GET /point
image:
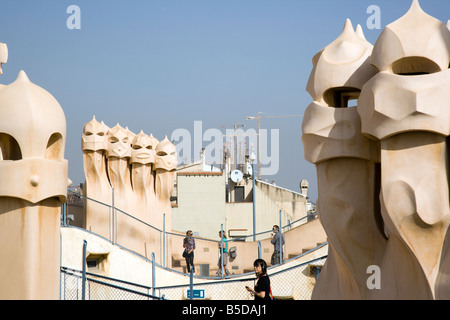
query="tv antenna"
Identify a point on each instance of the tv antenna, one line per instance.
(259, 117)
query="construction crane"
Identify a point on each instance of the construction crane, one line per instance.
(259, 117)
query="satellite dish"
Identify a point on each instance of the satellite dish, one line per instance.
(236, 176)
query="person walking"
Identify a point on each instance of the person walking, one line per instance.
(262, 290)
(223, 254)
(188, 253)
(277, 240)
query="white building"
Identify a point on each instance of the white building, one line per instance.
(207, 199)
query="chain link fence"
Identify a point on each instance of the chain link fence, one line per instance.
(292, 283)
(100, 288)
(165, 248)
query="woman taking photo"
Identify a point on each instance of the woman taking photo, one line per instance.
(262, 289)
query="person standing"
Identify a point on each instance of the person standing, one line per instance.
(277, 240)
(223, 254)
(188, 253)
(262, 290)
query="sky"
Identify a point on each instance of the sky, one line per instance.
(161, 65)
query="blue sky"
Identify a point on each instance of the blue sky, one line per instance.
(160, 65)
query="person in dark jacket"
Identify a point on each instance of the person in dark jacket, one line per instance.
(277, 240)
(262, 290)
(189, 247)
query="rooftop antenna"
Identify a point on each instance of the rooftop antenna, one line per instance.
(235, 126)
(259, 117)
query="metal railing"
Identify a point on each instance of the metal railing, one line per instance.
(161, 254)
(77, 285)
(294, 283)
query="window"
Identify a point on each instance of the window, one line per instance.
(9, 148)
(96, 262)
(55, 147)
(314, 270)
(239, 194)
(410, 66)
(341, 97)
